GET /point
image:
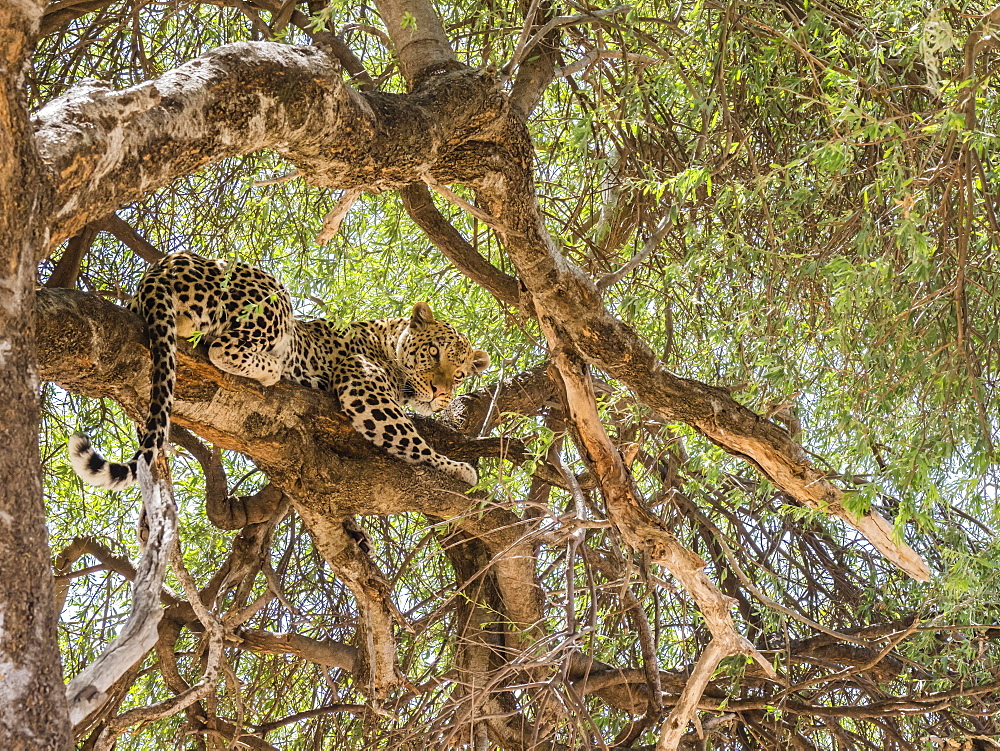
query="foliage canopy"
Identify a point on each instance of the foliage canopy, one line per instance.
(815, 184)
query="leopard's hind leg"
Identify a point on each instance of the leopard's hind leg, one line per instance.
(255, 359)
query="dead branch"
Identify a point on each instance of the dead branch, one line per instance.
(643, 532)
(321, 651)
(88, 691)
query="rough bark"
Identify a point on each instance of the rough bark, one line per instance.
(33, 713)
(88, 691)
(242, 98)
(572, 313)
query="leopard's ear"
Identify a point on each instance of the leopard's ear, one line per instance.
(480, 360)
(421, 314)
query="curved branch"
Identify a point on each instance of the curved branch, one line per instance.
(109, 148)
(417, 201)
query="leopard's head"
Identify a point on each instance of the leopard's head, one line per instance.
(436, 359)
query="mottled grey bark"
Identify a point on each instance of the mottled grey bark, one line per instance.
(110, 148)
(33, 713)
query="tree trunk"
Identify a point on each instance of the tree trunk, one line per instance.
(33, 711)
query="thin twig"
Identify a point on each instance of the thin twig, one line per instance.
(274, 180)
(331, 222)
(635, 261)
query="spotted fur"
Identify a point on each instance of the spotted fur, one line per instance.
(245, 317)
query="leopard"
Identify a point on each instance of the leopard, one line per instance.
(244, 316)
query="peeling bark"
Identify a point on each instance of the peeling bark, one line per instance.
(242, 98)
(572, 313)
(455, 126)
(33, 711)
(109, 148)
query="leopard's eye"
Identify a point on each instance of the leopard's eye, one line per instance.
(432, 350)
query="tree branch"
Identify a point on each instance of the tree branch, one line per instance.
(643, 532)
(321, 651)
(32, 693)
(126, 234)
(570, 308)
(417, 34)
(67, 270)
(109, 148)
(419, 205)
(88, 691)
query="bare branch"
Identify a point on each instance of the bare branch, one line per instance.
(87, 692)
(213, 634)
(331, 222)
(571, 308)
(637, 526)
(321, 651)
(125, 233)
(375, 660)
(66, 272)
(418, 203)
(110, 148)
(683, 712)
(639, 258)
(591, 17)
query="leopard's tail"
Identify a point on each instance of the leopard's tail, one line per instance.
(158, 309)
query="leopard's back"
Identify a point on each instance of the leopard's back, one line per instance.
(243, 314)
(379, 367)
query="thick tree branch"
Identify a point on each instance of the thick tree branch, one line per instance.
(417, 34)
(110, 148)
(299, 438)
(321, 651)
(67, 270)
(33, 710)
(126, 233)
(525, 393)
(536, 72)
(375, 659)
